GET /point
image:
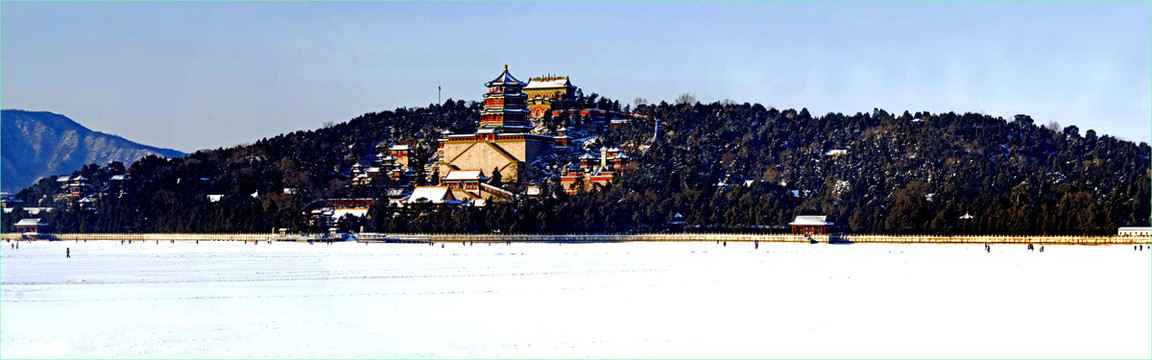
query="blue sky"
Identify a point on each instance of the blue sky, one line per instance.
(209, 74)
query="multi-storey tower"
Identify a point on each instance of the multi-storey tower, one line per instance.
(504, 105)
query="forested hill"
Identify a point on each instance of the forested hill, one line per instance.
(723, 167)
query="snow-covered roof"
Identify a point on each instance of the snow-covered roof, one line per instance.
(36, 209)
(215, 197)
(30, 222)
(464, 175)
(496, 190)
(357, 212)
(562, 129)
(434, 194)
(505, 79)
(561, 82)
(393, 192)
(446, 132)
(63, 179)
(80, 178)
(810, 220)
(399, 148)
(587, 156)
(118, 178)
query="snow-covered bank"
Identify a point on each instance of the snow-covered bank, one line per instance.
(660, 237)
(690, 299)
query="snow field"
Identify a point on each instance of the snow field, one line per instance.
(620, 300)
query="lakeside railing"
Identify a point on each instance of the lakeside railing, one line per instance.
(655, 237)
(834, 238)
(145, 237)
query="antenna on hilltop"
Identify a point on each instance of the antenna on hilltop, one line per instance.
(438, 95)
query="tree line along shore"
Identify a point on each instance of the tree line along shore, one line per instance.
(723, 166)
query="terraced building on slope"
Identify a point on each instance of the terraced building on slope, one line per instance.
(504, 142)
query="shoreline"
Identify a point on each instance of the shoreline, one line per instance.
(598, 238)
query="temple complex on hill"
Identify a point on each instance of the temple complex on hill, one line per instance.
(504, 143)
(594, 172)
(470, 168)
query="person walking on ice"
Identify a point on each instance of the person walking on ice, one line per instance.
(67, 252)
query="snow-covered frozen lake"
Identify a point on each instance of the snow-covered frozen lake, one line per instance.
(622, 300)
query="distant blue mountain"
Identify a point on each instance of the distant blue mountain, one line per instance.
(36, 144)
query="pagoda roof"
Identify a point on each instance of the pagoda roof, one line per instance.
(505, 95)
(505, 111)
(505, 79)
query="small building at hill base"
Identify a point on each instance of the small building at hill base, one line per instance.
(31, 225)
(435, 195)
(810, 224)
